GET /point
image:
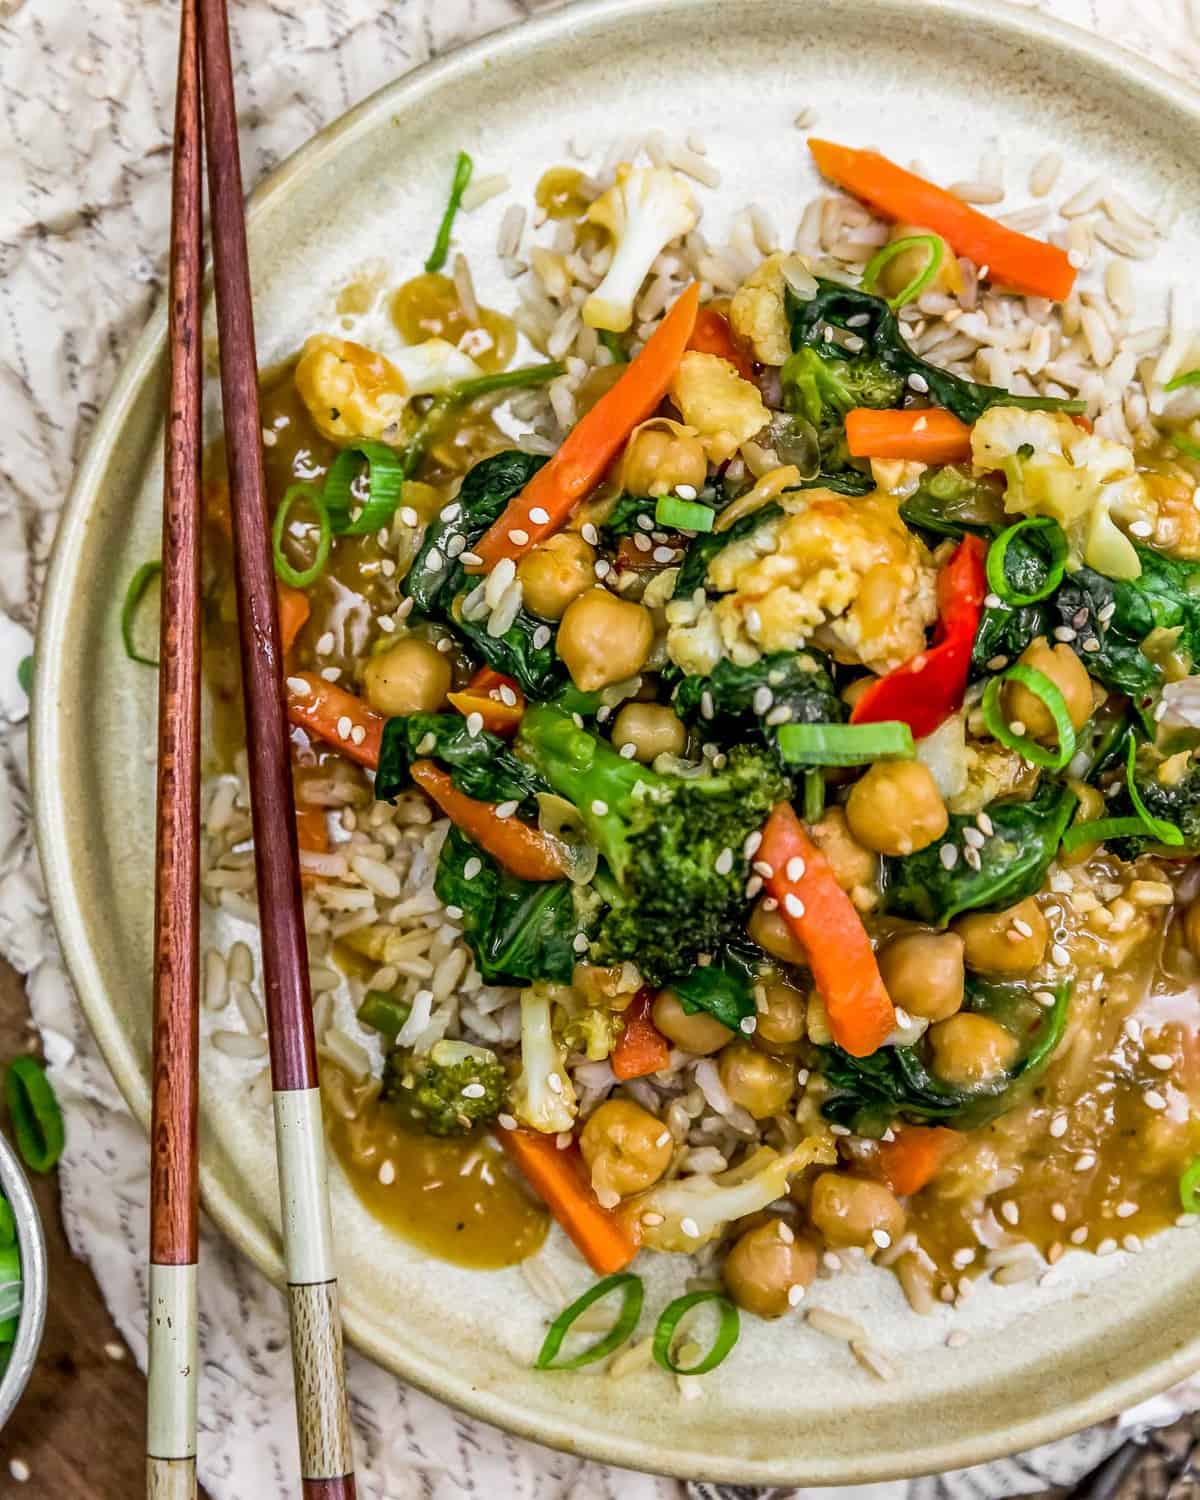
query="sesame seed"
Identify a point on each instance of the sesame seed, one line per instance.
(1085, 1161)
(1106, 1247)
(1154, 1100)
(506, 1122)
(115, 1351)
(518, 536)
(686, 491)
(793, 905)
(651, 1219)
(473, 1091)
(601, 568)
(589, 533)
(433, 559)
(646, 522)
(358, 734)
(325, 644)
(780, 714)
(972, 858)
(19, 1470)
(762, 700)
(472, 867)
(961, 1259)
(1015, 726)
(973, 838)
(997, 663)
(426, 744)
(1063, 633)
(839, 1130)
(1058, 1126)
(948, 855)
(541, 637)
(1044, 998)
(409, 516)
(831, 1261)
(1126, 1210)
(690, 1228)
(1059, 956)
(642, 543)
(506, 809)
(663, 1140)
(1132, 1242)
(993, 601)
(580, 942)
(761, 867)
(628, 751)
(563, 1139)
(455, 545)
(753, 886)
(795, 868)
(468, 559)
(454, 912)
(539, 516)
(752, 844)
(1010, 1213)
(445, 645)
(918, 383)
(986, 826)
(1163, 1061)
(599, 807)
(882, 1238)
(1091, 644)
(1058, 1212)
(474, 724)
(748, 1024)
(795, 1295)
(769, 903)
(664, 554)
(1079, 1236)
(555, 1083)
(344, 727)
(405, 607)
(331, 674)
(299, 687)
(724, 862)
(1141, 528)
(387, 1173)
(386, 624)
(1106, 611)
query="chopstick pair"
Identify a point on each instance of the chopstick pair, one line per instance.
(326, 1457)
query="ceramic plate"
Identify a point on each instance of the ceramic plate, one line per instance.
(942, 82)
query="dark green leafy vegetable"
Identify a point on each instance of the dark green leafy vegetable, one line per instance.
(724, 988)
(863, 317)
(1012, 862)
(36, 1118)
(951, 501)
(1168, 813)
(517, 929)
(895, 1083)
(733, 702)
(1004, 632)
(453, 1091)
(480, 765)
(627, 516)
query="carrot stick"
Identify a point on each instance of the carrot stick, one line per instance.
(930, 437)
(294, 610)
(1012, 260)
(482, 696)
(916, 1156)
(712, 335)
(643, 1048)
(578, 466)
(560, 1179)
(823, 919)
(324, 710)
(312, 830)
(524, 851)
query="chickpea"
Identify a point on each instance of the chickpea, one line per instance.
(555, 573)
(896, 808)
(1005, 942)
(604, 639)
(762, 1085)
(765, 1264)
(411, 677)
(905, 267)
(651, 728)
(782, 1017)
(923, 973)
(626, 1148)
(854, 868)
(1067, 673)
(851, 1210)
(661, 455)
(696, 1032)
(770, 931)
(971, 1050)
(1191, 927)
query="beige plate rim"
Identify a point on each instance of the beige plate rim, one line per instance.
(55, 837)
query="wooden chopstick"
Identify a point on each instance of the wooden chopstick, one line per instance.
(326, 1458)
(171, 1405)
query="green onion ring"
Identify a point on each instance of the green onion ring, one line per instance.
(871, 271)
(684, 515)
(1099, 830)
(385, 481)
(36, 1118)
(1188, 377)
(632, 1295)
(1186, 445)
(814, 796)
(8, 1224)
(845, 744)
(138, 585)
(727, 1332)
(283, 568)
(994, 567)
(612, 342)
(25, 674)
(463, 167)
(1164, 832)
(1041, 687)
(1189, 1182)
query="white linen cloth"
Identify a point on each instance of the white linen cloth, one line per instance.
(86, 96)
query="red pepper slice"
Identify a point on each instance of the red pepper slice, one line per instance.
(643, 1048)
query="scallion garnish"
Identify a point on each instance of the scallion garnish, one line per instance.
(1056, 565)
(814, 796)
(36, 1118)
(1099, 830)
(1189, 1187)
(632, 1295)
(134, 594)
(507, 380)
(1186, 446)
(612, 342)
(384, 1013)
(25, 674)
(1188, 377)
(1041, 687)
(463, 167)
(384, 480)
(684, 515)
(1159, 828)
(726, 1336)
(845, 744)
(871, 271)
(301, 578)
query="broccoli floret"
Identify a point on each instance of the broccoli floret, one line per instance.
(823, 389)
(453, 1091)
(672, 843)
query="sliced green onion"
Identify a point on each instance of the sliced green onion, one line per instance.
(727, 1332)
(1159, 828)
(36, 1118)
(1041, 687)
(25, 674)
(632, 1295)
(1188, 377)
(1186, 446)
(997, 577)
(8, 1224)
(845, 744)
(881, 258)
(519, 379)
(385, 481)
(384, 1013)
(684, 515)
(463, 167)
(1099, 830)
(300, 579)
(134, 594)
(612, 342)
(814, 796)
(1189, 1183)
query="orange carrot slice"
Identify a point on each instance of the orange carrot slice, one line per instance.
(294, 610)
(916, 1156)
(643, 1048)
(523, 850)
(483, 696)
(713, 335)
(336, 716)
(929, 437)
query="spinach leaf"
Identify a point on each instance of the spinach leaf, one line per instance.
(823, 388)
(951, 501)
(872, 321)
(1004, 632)
(1012, 862)
(1178, 803)
(626, 515)
(799, 681)
(480, 765)
(517, 929)
(525, 652)
(894, 1082)
(724, 988)
(851, 482)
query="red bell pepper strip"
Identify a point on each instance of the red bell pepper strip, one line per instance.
(643, 1048)
(928, 689)
(713, 335)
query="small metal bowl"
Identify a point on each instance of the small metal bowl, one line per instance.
(32, 1244)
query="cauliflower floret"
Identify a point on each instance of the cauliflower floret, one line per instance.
(846, 575)
(758, 315)
(543, 1096)
(644, 210)
(688, 1212)
(1084, 481)
(714, 399)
